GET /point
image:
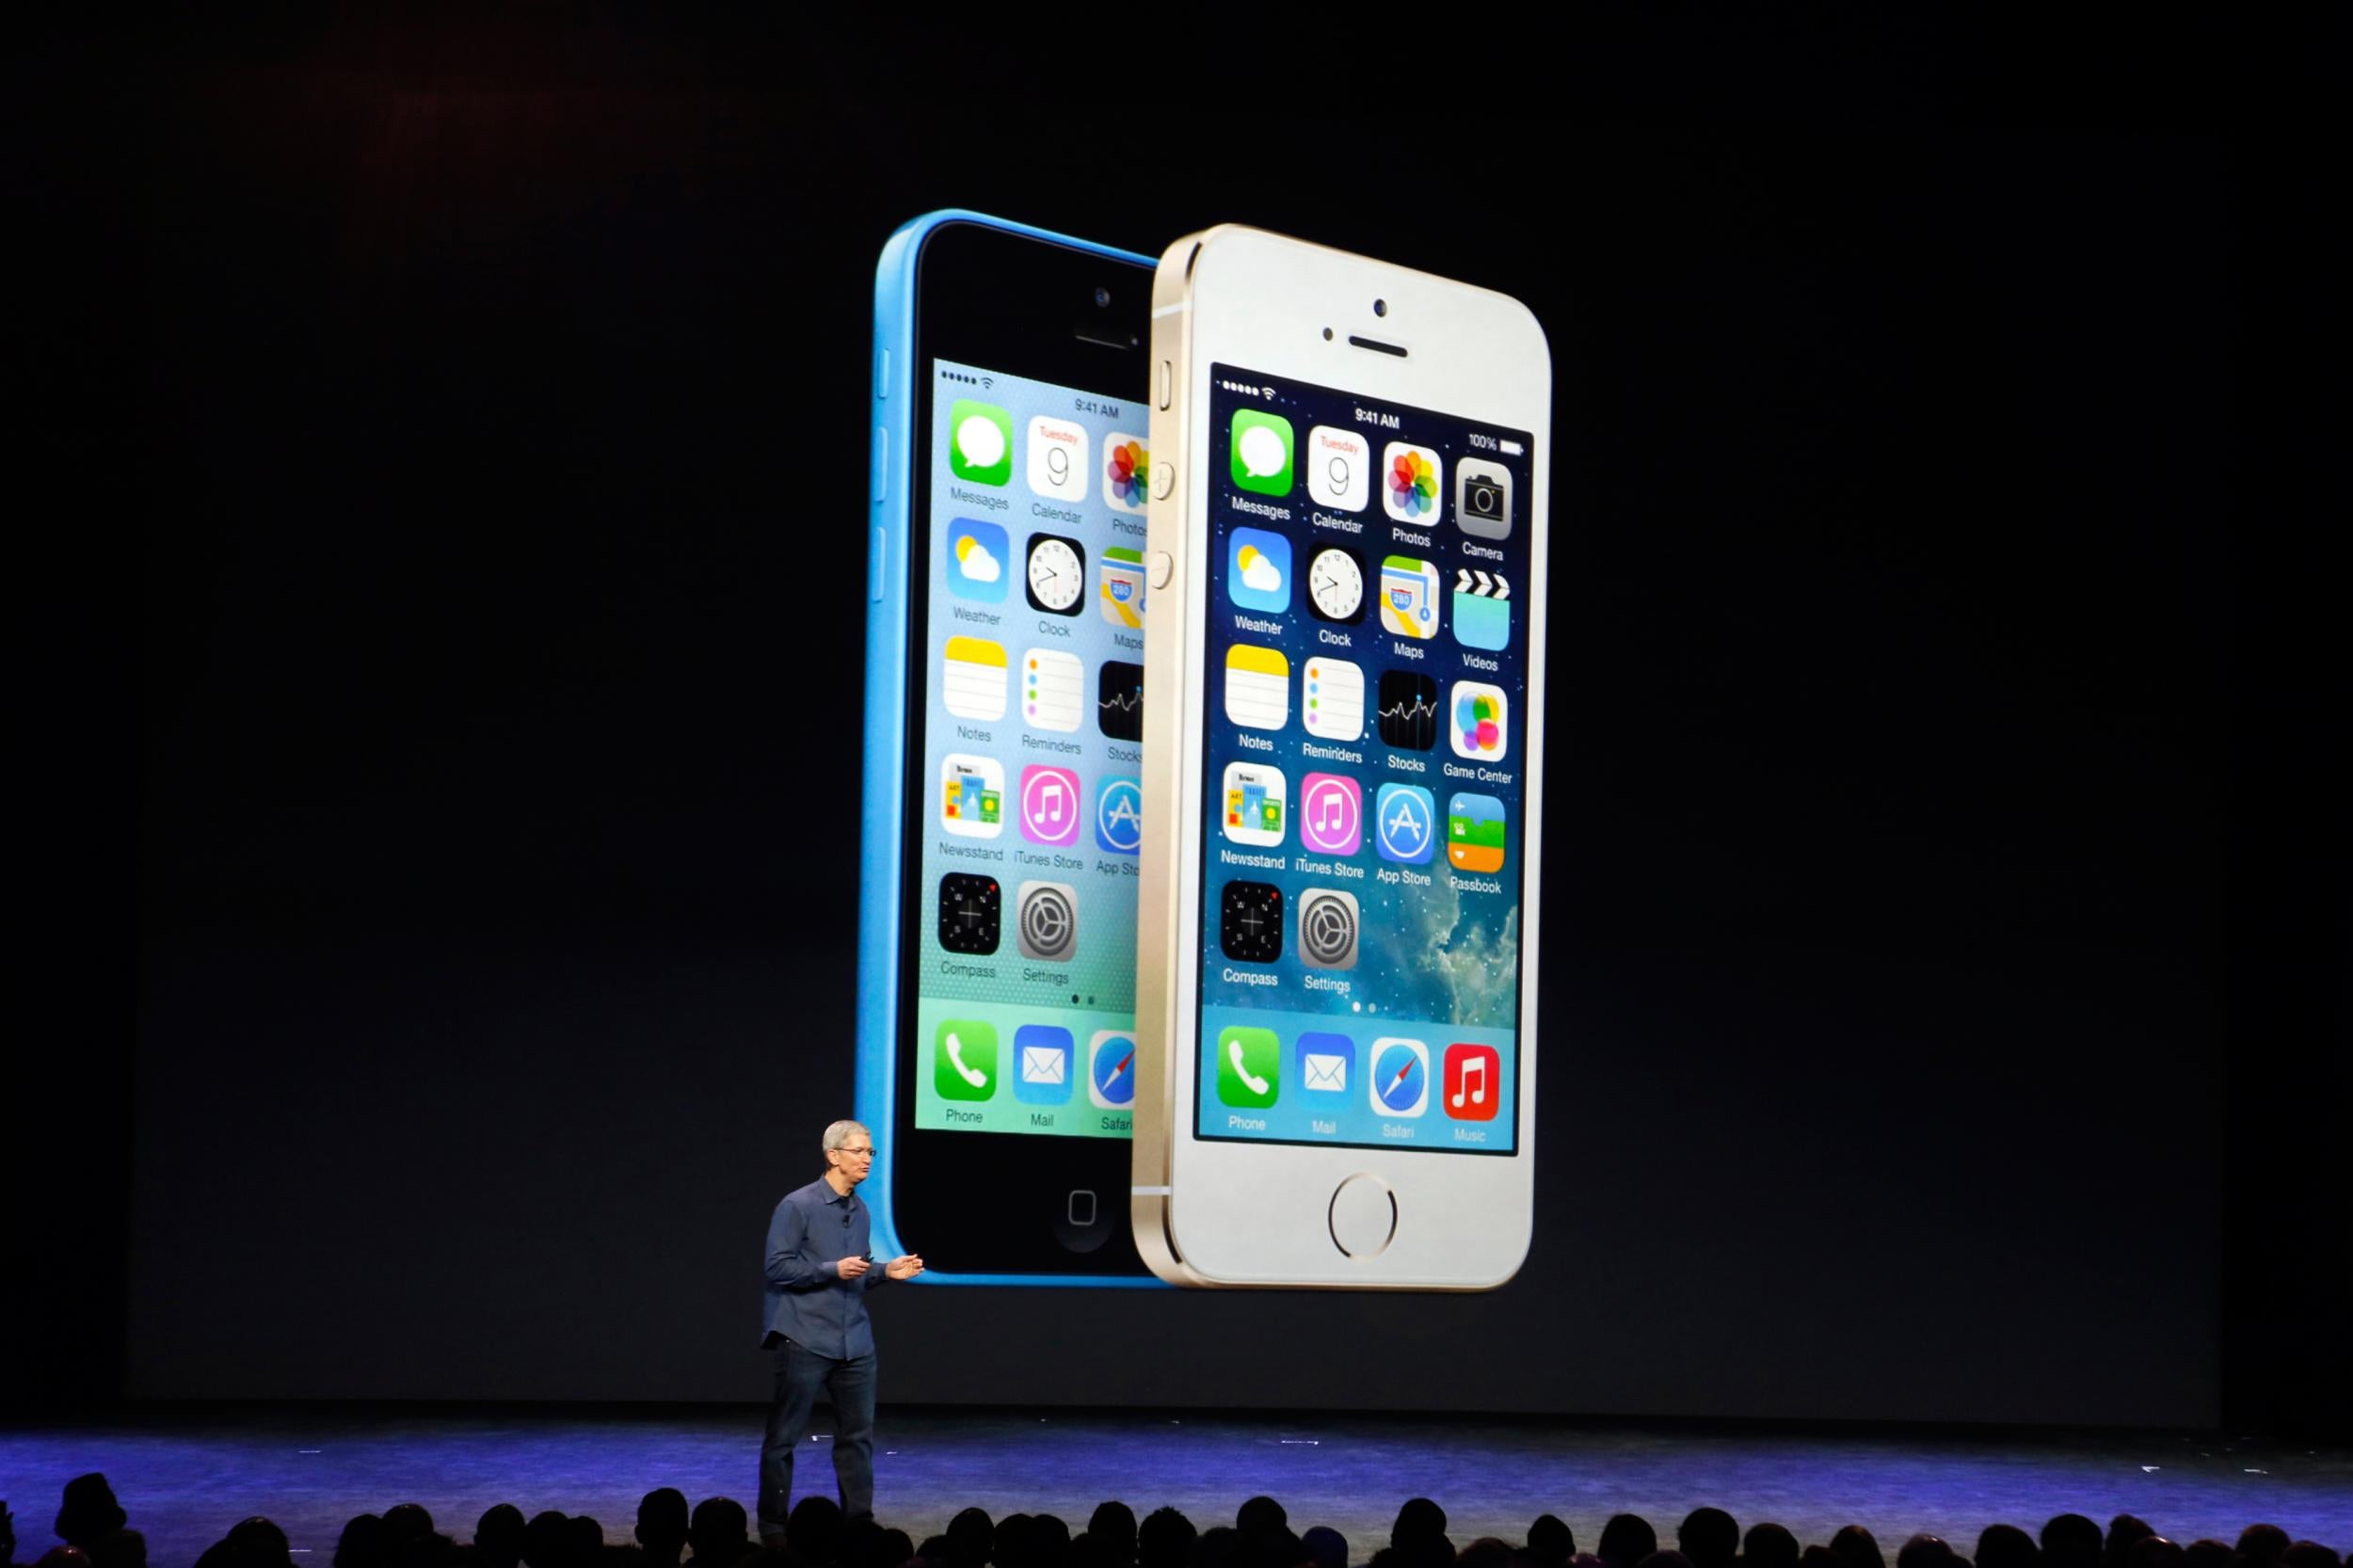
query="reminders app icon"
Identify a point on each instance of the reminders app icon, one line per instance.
(1325, 1062)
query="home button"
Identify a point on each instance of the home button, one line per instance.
(1364, 1216)
(1079, 1227)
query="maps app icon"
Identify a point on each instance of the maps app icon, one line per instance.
(1409, 597)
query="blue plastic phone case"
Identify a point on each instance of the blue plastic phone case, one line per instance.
(882, 812)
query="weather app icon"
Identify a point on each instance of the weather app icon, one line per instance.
(1258, 570)
(1401, 821)
(1119, 816)
(976, 560)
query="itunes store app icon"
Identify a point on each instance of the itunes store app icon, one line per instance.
(1331, 813)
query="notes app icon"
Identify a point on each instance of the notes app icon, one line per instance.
(1257, 687)
(972, 684)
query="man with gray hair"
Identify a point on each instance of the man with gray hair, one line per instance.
(815, 1331)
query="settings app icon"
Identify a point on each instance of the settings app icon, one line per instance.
(1046, 927)
(1327, 928)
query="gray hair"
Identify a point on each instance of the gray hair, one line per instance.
(840, 1132)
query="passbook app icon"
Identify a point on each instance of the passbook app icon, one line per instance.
(1325, 1062)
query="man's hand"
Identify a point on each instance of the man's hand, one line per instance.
(903, 1268)
(853, 1267)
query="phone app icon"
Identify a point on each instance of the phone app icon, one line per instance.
(970, 907)
(1249, 1067)
(1470, 1086)
(1119, 700)
(1411, 474)
(1119, 816)
(971, 796)
(976, 560)
(1399, 1083)
(1409, 597)
(1332, 699)
(1053, 689)
(1112, 1071)
(1057, 574)
(1336, 584)
(1331, 813)
(1478, 721)
(1408, 710)
(1339, 468)
(972, 678)
(1402, 819)
(1127, 461)
(1482, 499)
(1474, 832)
(1250, 921)
(1049, 804)
(980, 448)
(1058, 458)
(1262, 452)
(1045, 922)
(1042, 1053)
(963, 1058)
(1119, 590)
(1325, 1062)
(1257, 687)
(1482, 608)
(1258, 570)
(1327, 928)
(1255, 800)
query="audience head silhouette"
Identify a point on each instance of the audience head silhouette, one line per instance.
(90, 1512)
(1626, 1540)
(1709, 1537)
(1770, 1546)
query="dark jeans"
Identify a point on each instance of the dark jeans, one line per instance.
(850, 1385)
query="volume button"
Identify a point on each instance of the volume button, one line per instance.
(875, 557)
(1168, 384)
(882, 462)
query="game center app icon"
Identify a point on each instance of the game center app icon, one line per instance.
(1411, 477)
(1470, 1084)
(1126, 461)
(971, 796)
(976, 560)
(980, 445)
(1478, 721)
(1049, 804)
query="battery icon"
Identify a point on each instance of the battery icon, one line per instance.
(1510, 448)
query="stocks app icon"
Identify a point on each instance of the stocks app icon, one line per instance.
(1408, 710)
(1119, 700)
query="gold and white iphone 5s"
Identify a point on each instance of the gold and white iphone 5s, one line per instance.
(1338, 936)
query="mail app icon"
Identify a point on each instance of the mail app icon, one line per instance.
(1325, 1062)
(1044, 1052)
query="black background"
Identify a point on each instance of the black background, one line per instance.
(1945, 918)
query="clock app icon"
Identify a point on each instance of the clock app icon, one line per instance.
(1336, 584)
(1058, 573)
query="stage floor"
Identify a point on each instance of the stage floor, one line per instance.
(185, 1476)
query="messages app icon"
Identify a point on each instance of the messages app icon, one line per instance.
(980, 445)
(1262, 452)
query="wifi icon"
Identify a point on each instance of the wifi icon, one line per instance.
(988, 380)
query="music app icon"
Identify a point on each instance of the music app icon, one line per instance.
(1331, 813)
(1049, 804)
(1471, 1090)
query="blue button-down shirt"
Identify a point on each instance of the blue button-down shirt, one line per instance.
(808, 1302)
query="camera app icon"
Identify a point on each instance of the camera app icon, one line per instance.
(1482, 498)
